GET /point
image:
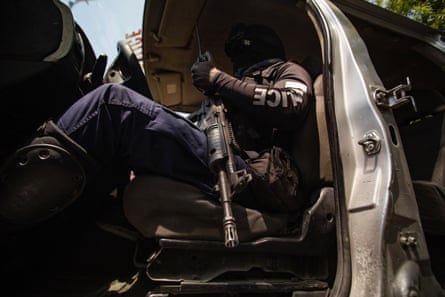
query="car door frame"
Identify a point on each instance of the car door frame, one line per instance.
(377, 212)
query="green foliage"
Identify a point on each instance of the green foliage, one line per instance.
(429, 12)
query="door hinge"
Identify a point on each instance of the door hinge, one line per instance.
(395, 97)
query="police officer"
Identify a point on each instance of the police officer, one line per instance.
(266, 98)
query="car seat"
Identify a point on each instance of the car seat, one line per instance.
(423, 139)
(187, 227)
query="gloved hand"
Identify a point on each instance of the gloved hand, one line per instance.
(204, 73)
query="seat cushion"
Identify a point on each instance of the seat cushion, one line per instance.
(162, 207)
(431, 203)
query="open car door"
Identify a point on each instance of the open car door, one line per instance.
(378, 74)
(376, 225)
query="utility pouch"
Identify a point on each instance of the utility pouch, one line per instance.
(275, 180)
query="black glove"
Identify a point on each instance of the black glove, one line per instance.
(204, 73)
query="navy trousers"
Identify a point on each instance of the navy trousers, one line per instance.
(115, 123)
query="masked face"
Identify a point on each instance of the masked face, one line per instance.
(237, 48)
(250, 44)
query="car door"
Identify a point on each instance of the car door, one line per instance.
(382, 245)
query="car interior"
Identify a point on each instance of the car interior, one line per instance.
(133, 234)
(393, 54)
(170, 53)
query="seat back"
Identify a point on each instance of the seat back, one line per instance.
(325, 161)
(438, 175)
(310, 145)
(423, 136)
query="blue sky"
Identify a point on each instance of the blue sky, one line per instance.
(107, 21)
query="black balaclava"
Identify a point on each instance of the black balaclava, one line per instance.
(247, 45)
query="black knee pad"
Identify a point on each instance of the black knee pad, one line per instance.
(42, 178)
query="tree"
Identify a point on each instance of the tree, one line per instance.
(429, 12)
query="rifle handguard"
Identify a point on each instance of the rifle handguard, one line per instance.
(217, 151)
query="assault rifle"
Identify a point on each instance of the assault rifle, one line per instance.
(221, 141)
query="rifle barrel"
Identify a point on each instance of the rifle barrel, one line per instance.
(229, 223)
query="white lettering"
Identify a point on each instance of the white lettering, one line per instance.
(273, 97)
(295, 97)
(259, 96)
(284, 98)
(296, 85)
(296, 92)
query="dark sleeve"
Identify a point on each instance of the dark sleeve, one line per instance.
(287, 99)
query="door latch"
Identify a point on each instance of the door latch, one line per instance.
(371, 143)
(395, 97)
